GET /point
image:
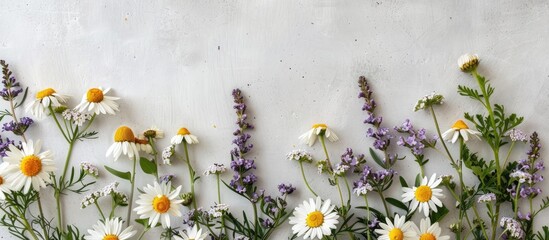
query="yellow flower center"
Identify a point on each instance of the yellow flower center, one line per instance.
(124, 134)
(1, 180)
(94, 95)
(427, 236)
(161, 204)
(460, 124)
(31, 165)
(315, 219)
(183, 131)
(320, 125)
(110, 237)
(45, 93)
(396, 234)
(423, 193)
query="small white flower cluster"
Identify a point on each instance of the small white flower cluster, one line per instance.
(218, 210)
(300, 155)
(512, 227)
(110, 189)
(521, 176)
(76, 116)
(89, 169)
(517, 135)
(428, 101)
(341, 169)
(167, 153)
(216, 168)
(486, 198)
(322, 166)
(363, 190)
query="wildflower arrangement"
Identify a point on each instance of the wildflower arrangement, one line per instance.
(372, 200)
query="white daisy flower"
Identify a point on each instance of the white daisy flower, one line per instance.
(4, 184)
(110, 230)
(44, 99)
(124, 143)
(157, 203)
(425, 196)
(153, 132)
(400, 230)
(192, 234)
(143, 145)
(184, 134)
(459, 129)
(427, 231)
(29, 167)
(97, 102)
(468, 62)
(310, 136)
(314, 219)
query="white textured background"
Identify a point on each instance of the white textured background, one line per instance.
(174, 63)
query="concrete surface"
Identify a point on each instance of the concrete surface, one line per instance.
(174, 63)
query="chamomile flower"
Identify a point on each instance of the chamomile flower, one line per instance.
(97, 102)
(143, 145)
(44, 99)
(192, 234)
(318, 129)
(459, 129)
(468, 62)
(111, 229)
(184, 134)
(157, 203)
(314, 219)
(124, 143)
(400, 230)
(427, 231)
(29, 167)
(153, 132)
(4, 184)
(425, 196)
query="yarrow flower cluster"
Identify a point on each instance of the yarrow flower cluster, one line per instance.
(512, 228)
(78, 118)
(167, 153)
(218, 210)
(216, 168)
(109, 190)
(486, 198)
(517, 135)
(300, 155)
(89, 169)
(428, 101)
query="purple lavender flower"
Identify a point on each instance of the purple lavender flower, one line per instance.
(286, 189)
(5, 144)
(167, 178)
(266, 223)
(526, 173)
(416, 140)
(11, 88)
(18, 128)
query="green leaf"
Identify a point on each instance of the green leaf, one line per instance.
(418, 179)
(148, 166)
(397, 203)
(441, 212)
(376, 158)
(403, 182)
(123, 175)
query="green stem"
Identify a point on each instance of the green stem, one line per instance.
(480, 221)
(155, 155)
(339, 191)
(323, 141)
(223, 227)
(256, 220)
(62, 188)
(367, 217)
(348, 189)
(508, 154)
(52, 113)
(42, 224)
(516, 199)
(27, 225)
(145, 230)
(191, 172)
(305, 179)
(100, 211)
(440, 134)
(380, 192)
(130, 202)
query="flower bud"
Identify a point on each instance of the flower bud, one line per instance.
(468, 62)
